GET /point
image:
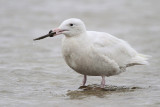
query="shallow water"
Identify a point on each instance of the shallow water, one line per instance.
(35, 74)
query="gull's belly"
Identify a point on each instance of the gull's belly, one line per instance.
(88, 64)
(80, 63)
(84, 60)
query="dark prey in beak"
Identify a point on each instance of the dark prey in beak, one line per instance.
(50, 34)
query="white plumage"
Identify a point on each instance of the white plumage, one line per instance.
(96, 53)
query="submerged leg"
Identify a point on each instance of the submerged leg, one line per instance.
(103, 82)
(84, 80)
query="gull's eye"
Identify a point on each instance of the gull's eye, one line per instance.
(70, 24)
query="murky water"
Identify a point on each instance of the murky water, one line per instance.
(35, 74)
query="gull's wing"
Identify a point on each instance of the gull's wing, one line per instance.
(113, 48)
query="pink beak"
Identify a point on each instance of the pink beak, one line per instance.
(58, 31)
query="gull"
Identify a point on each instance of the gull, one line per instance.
(93, 53)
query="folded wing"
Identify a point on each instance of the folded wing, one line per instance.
(117, 50)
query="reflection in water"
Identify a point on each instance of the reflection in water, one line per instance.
(95, 90)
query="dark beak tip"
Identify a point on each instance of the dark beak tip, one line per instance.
(50, 31)
(50, 34)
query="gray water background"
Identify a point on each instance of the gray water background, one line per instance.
(34, 74)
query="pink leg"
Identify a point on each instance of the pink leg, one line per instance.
(103, 82)
(84, 80)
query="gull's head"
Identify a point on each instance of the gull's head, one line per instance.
(71, 27)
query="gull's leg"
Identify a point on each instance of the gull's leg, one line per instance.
(84, 80)
(103, 82)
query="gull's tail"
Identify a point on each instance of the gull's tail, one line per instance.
(139, 59)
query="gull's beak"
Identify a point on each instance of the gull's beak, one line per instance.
(59, 31)
(51, 33)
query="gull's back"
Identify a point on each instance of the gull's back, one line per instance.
(115, 49)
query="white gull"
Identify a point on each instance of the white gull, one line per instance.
(96, 53)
